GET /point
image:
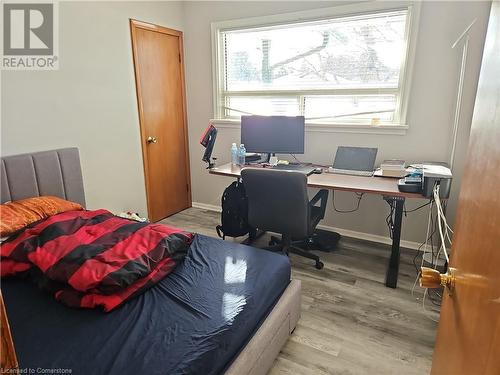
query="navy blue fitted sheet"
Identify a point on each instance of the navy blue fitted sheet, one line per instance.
(194, 321)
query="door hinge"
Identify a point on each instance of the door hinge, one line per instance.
(179, 57)
(187, 187)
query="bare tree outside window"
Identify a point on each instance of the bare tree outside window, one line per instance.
(344, 69)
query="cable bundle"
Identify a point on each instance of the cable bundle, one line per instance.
(437, 223)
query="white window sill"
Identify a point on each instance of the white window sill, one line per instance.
(329, 128)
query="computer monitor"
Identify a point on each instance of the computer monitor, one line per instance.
(273, 134)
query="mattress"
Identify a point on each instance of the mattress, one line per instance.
(196, 320)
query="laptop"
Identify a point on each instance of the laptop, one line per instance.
(357, 161)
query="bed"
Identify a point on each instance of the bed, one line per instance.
(227, 308)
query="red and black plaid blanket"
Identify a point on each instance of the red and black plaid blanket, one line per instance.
(94, 258)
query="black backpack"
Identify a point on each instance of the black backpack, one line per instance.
(234, 215)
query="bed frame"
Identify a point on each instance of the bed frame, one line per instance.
(58, 173)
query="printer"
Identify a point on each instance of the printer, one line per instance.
(436, 174)
(424, 177)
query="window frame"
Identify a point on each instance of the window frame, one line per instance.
(413, 9)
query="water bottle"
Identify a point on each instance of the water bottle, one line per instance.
(234, 154)
(241, 155)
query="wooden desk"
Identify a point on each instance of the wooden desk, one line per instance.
(386, 187)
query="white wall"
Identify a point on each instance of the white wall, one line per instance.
(430, 114)
(90, 102)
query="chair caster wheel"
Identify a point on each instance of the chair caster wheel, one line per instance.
(319, 265)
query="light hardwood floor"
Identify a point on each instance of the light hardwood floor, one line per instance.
(350, 323)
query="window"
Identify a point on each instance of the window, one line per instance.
(342, 69)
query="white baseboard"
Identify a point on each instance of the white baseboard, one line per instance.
(370, 237)
(208, 207)
(344, 232)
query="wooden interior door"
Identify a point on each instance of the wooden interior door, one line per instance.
(468, 340)
(159, 74)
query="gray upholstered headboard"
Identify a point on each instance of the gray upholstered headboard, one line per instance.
(54, 172)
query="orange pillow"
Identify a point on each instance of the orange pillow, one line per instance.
(18, 214)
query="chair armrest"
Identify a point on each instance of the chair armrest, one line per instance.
(322, 196)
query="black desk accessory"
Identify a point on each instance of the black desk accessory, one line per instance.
(207, 140)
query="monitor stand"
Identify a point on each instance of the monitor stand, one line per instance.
(272, 159)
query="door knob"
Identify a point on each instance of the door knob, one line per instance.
(431, 278)
(151, 139)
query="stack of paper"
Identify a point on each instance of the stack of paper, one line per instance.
(436, 171)
(393, 168)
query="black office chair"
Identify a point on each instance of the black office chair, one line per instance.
(278, 202)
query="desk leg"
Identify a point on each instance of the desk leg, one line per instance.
(391, 278)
